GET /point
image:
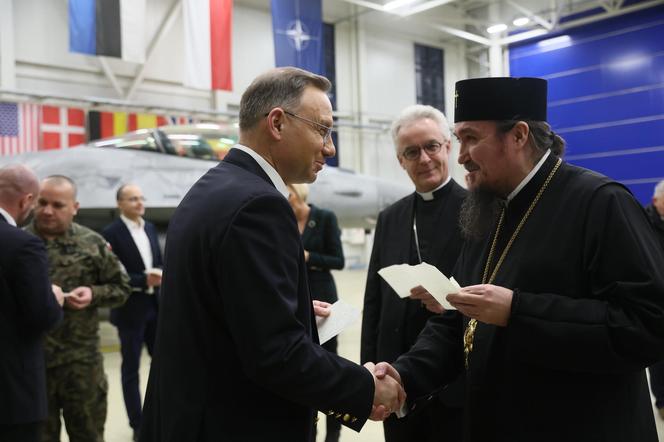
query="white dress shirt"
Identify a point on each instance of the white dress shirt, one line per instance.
(10, 219)
(137, 230)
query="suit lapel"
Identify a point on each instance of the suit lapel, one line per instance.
(126, 238)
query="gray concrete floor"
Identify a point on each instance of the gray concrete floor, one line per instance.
(351, 288)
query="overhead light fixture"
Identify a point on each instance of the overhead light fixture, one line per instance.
(394, 4)
(521, 21)
(494, 29)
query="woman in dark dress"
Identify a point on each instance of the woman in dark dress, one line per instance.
(321, 239)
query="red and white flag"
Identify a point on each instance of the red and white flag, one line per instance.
(207, 44)
(19, 128)
(62, 127)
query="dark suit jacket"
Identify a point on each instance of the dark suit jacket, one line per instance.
(386, 316)
(135, 310)
(322, 239)
(236, 357)
(28, 309)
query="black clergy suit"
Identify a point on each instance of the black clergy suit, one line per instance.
(236, 356)
(390, 325)
(587, 317)
(28, 310)
(136, 319)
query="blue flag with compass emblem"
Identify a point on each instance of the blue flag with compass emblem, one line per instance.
(298, 34)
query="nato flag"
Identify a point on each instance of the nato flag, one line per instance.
(298, 34)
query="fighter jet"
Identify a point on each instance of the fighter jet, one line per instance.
(165, 162)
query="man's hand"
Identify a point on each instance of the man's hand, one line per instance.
(487, 303)
(58, 293)
(428, 301)
(322, 309)
(152, 280)
(79, 298)
(389, 395)
(306, 256)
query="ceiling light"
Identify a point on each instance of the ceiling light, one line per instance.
(521, 21)
(494, 29)
(394, 4)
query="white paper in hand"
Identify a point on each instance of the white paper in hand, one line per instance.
(342, 316)
(403, 277)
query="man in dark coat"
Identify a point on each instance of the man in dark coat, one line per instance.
(655, 213)
(134, 241)
(423, 226)
(236, 354)
(29, 309)
(562, 305)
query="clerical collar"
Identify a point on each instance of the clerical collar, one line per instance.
(10, 219)
(267, 167)
(529, 177)
(429, 196)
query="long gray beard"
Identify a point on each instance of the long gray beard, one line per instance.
(478, 214)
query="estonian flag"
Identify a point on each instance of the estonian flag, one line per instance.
(207, 44)
(298, 34)
(114, 28)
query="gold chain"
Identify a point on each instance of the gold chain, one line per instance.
(469, 334)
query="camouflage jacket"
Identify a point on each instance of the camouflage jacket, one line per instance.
(82, 257)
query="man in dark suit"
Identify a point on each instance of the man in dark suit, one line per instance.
(236, 354)
(29, 309)
(421, 227)
(134, 241)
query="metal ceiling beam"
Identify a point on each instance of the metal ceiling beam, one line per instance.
(164, 27)
(424, 7)
(462, 34)
(103, 62)
(531, 15)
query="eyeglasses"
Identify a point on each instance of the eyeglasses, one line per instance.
(324, 131)
(412, 153)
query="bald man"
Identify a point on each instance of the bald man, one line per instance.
(29, 309)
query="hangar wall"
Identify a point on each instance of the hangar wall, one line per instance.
(606, 95)
(375, 70)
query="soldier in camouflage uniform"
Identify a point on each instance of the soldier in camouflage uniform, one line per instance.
(81, 262)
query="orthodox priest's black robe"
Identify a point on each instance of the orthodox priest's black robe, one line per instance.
(587, 317)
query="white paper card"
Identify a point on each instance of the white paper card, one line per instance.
(403, 277)
(342, 316)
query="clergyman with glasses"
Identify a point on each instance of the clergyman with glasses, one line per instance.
(135, 242)
(421, 227)
(562, 299)
(237, 354)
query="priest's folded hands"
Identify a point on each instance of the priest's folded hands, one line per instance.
(486, 303)
(389, 395)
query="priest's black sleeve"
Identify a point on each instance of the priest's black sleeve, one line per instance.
(616, 323)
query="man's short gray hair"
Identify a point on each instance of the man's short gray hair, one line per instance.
(659, 189)
(280, 87)
(59, 180)
(417, 112)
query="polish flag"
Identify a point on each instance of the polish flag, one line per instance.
(62, 127)
(207, 41)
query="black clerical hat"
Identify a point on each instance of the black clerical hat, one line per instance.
(500, 98)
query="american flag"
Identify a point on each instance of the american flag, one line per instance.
(19, 128)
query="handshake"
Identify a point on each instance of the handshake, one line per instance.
(389, 395)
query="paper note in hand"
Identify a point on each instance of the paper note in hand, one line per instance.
(403, 277)
(342, 316)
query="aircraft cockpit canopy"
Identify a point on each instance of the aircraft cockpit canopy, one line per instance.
(201, 141)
